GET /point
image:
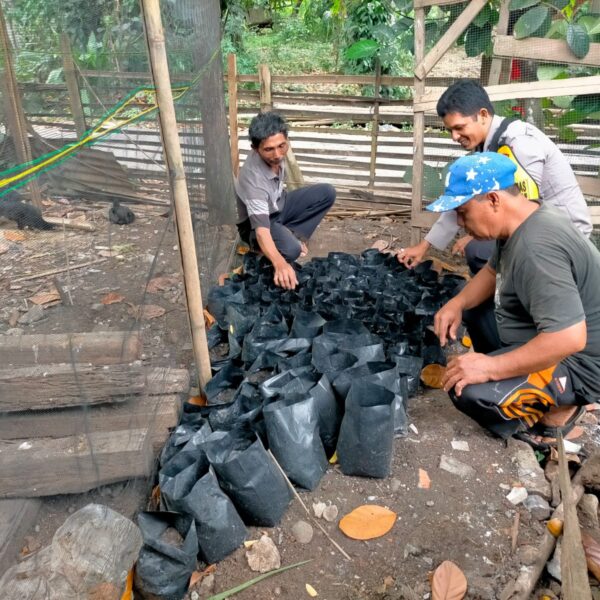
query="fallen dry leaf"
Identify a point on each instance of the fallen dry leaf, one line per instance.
(222, 277)
(198, 576)
(128, 593)
(209, 320)
(197, 400)
(424, 481)
(555, 527)
(367, 522)
(161, 284)
(448, 582)
(432, 375)
(147, 311)
(45, 297)
(14, 236)
(310, 590)
(112, 298)
(242, 250)
(592, 553)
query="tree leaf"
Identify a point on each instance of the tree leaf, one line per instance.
(448, 582)
(547, 72)
(592, 553)
(566, 134)
(484, 17)
(530, 22)
(362, 49)
(477, 39)
(578, 39)
(432, 375)
(587, 103)
(367, 522)
(520, 4)
(112, 298)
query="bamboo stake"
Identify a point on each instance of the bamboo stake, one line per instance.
(232, 92)
(297, 495)
(375, 127)
(89, 263)
(72, 85)
(172, 150)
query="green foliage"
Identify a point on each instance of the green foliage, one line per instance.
(531, 22)
(578, 39)
(521, 4)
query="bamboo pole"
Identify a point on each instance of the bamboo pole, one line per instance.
(15, 115)
(72, 85)
(375, 126)
(232, 92)
(168, 125)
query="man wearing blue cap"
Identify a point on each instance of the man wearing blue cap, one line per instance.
(544, 277)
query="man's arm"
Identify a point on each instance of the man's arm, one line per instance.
(541, 352)
(285, 276)
(449, 317)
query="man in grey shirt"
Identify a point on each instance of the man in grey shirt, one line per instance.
(271, 220)
(544, 277)
(544, 173)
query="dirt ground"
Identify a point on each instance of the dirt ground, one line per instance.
(466, 520)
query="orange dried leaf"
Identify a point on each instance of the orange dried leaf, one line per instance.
(198, 576)
(555, 527)
(424, 481)
(242, 250)
(112, 298)
(128, 592)
(161, 284)
(466, 341)
(197, 400)
(367, 522)
(432, 375)
(448, 582)
(147, 311)
(14, 236)
(45, 297)
(209, 320)
(592, 553)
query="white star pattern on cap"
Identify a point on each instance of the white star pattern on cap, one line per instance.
(471, 174)
(477, 192)
(484, 160)
(496, 186)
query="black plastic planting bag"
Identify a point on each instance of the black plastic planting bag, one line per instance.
(219, 297)
(329, 413)
(366, 438)
(410, 366)
(383, 373)
(190, 430)
(306, 324)
(400, 403)
(227, 378)
(334, 364)
(168, 557)
(295, 381)
(249, 476)
(196, 492)
(293, 434)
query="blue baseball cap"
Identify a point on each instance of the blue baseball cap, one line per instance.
(472, 175)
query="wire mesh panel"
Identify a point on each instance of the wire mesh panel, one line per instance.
(94, 333)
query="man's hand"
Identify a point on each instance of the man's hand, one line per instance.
(461, 244)
(447, 320)
(285, 276)
(467, 369)
(411, 257)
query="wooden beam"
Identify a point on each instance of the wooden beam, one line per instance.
(266, 91)
(590, 186)
(232, 94)
(426, 3)
(100, 347)
(500, 66)
(16, 520)
(425, 65)
(550, 51)
(72, 85)
(71, 465)
(531, 89)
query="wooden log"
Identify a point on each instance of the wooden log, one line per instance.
(71, 465)
(71, 224)
(66, 385)
(16, 518)
(100, 347)
(158, 414)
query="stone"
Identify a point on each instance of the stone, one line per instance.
(411, 550)
(330, 513)
(460, 445)
(206, 586)
(517, 495)
(318, 508)
(194, 596)
(302, 532)
(263, 556)
(589, 506)
(450, 464)
(89, 557)
(527, 555)
(537, 506)
(553, 565)
(395, 485)
(530, 474)
(34, 314)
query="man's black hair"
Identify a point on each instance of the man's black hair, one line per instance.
(264, 125)
(466, 97)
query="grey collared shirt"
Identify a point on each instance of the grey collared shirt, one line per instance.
(260, 192)
(546, 164)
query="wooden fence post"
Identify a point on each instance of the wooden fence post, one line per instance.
(72, 85)
(233, 113)
(170, 135)
(500, 69)
(266, 92)
(375, 126)
(15, 115)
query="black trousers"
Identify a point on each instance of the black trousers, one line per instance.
(304, 209)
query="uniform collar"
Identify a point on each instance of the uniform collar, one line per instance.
(496, 120)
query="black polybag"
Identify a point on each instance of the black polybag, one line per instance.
(384, 373)
(293, 434)
(195, 491)
(410, 366)
(306, 324)
(184, 433)
(329, 413)
(163, 569)
(295, 381)
(365, 443)
(249, 476)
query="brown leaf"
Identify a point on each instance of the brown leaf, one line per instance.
(147, 311)
(209, 320)
(448, 582)
(222, 277)
(45, 297)
(112, 298)
(198, 576)
(424, 481)
(242, 250)
(367, 522)
(160, 284)
(432, 375)
(14, 236)
(197, 400)
(592, 553)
